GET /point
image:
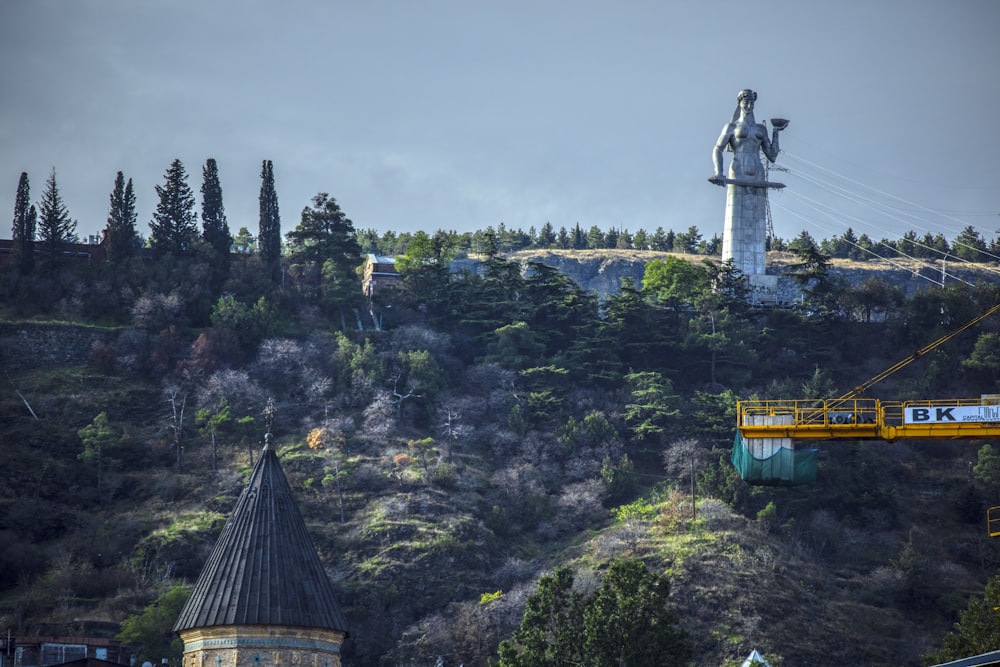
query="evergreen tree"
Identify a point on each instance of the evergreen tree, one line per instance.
(425, 272)
(326, 249)
(627, 621)
(546, 236)
(595, 238)
(977, 631)
(120, 235)
(563, 239)
(687, 242)
(659, 241)
(55, 227)
(244, 242)
(23, 231)
(269, 232)
(174, 228)
(215, 229)
(969, 245)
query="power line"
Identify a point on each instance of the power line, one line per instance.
(881, 207)
(846, 194)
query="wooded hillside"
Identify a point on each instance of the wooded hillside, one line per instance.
(496, 427)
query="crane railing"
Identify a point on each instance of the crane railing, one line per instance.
(870, 419)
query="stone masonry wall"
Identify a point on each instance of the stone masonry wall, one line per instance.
(28, 345)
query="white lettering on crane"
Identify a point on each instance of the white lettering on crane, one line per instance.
(951, 414)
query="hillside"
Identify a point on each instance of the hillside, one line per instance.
(497, 427)
(874, 579)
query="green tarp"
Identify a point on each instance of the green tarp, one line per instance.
(786, 467)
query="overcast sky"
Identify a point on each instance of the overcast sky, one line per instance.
(468, 113)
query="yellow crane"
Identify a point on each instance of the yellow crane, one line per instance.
(765, 450)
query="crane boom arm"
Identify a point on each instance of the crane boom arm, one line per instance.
(865, 386)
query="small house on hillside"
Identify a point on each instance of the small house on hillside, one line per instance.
(379, 273)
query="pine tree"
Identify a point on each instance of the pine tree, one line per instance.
(23, 231)
(55, 227)
(215, 229)
(269, 233)
(173, 226)
(325, 244)
(120, 235)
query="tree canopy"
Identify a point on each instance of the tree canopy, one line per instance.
(627, 621)
(55, 226)
(173, 227)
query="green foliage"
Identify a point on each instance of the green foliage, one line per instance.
(985, 357)
(269, 230)
(151, 632)
(594, 430)
(55, 226)
(977, 631)
(627, 621)
(325, 248)
(544, 401)
(514, 346)
(630, 621)
(23, 230)
(250, 324)
(487, 598)
(98, 447)
(640, 509)
(674, 281)
(619, 476)
(215, 228)
(987, 470)
(121, 236)
(173, 229)
(653, 405)
(712, 417)
(425, 269)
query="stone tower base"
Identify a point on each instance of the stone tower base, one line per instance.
(261, 646)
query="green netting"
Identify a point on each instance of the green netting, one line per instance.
(786, 467)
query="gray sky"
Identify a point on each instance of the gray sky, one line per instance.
(467, 113)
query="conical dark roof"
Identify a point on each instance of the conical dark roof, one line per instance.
(264, 569)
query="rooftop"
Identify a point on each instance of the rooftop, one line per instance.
(264, 569)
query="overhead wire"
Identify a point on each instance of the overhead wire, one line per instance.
(829, 211)
(917, 273)
(882, 207)
(853, 197)
(839, 216)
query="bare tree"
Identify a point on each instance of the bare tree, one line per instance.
(177, 398)
(397, 393)
(682, 459)
(452, 432)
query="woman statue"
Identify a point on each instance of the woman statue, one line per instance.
(745, 138)
(744, 236)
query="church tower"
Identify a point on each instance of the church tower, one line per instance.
(263, 598)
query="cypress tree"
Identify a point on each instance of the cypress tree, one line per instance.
(120, 235)
(173, 226)
(269, 233)
(215, 229)
(55, 227)
(23, 230)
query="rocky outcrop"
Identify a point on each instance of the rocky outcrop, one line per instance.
(602, 271)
